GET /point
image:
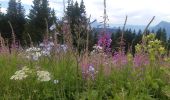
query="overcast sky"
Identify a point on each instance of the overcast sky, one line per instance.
(139, 11)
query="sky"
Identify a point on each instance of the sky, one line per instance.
(139, 12)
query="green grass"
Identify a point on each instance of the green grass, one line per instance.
(150, 82)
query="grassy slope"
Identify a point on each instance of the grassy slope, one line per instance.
(127, 83)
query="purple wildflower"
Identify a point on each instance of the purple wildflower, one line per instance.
(88, 71)
(140, 60)
(119, 59)
(105, 42)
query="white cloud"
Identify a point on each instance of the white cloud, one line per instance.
(27, 2)
(138, 11)
(3, 10)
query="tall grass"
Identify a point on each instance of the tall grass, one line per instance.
(97, 75)
(126, 83)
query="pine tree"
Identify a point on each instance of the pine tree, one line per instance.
(12, 10)
(20, 21)
(161, 35)
(16, 15)
(38, 14)
(82, 11)
(78, 23)
(164, 36)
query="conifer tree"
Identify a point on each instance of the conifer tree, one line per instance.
(16, 15)
(76, 15)
(38, 14)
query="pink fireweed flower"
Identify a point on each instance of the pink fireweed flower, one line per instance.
(119, 59)
(140, 60)
(105, 42)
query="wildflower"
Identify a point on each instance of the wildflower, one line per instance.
(33, 53)
(41, 44)
(89, 71)
(56, 81)
(62, 47)
(36, 55)
(43, 76)
(105, 42)
(45, 53)
(140, 60)
(33, 49)
(119, 58)
(21, 74)
(162, 50)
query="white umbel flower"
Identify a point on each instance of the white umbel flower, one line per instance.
(21, 74)
(43, 76)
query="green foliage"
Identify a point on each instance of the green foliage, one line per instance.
(121, 84)
(16, 15)
(37, 26)
(79, 25)
(151, 46)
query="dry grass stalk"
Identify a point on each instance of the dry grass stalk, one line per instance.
(2, 42)
(30, 39)
(144, 33)
(13, 34)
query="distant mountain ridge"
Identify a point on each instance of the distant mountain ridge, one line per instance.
(162, 24)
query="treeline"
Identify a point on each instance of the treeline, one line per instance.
(33, 24)
(132, 37)
(41, 17)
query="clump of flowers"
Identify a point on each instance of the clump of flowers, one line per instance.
(33, 53)
(97, 49)
(26, 72)
(21, 74)
(119, 59)
(46, 48)
(89, 71)
(105, 42)
(140, 60)
(62, 48)
(43, 76)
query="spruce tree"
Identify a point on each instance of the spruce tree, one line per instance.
(76, 16)
(20, 21)
(161, 35)
(16, 15)
(38, 14)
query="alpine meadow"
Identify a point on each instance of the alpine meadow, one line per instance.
(72, 56)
